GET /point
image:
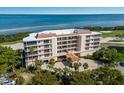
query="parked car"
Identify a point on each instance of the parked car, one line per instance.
(6, 81)
(121, 63)
(9, 82)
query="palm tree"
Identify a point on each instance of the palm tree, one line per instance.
(76, 66)
(58, 71)
(38, 63)
(52, 61)
(67, 70)
(41, 62)
(20, 52)
(31, 51)
(49, 66)
(85, 65)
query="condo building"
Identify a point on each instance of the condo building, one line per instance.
(50, 44)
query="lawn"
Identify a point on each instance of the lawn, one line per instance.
(111, 44)
(9, 43)
(113, 33)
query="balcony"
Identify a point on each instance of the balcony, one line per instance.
(67, 40)
(31, 45)
(32, 55)
(47, 55)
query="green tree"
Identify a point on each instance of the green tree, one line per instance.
(38, 63)
(85, 65)
(49, 66)
(82, 78)
(108, 56)
(20, 80)
(108, 76)
(44, 78)
(31, 51)
(67, 70)
(76, 66)
(13, 37)
(52, 61)
(8, 58)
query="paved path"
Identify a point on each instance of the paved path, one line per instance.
(92, 64)
(107, 39)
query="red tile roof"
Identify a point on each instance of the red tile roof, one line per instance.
(73, 57)
(46, 35)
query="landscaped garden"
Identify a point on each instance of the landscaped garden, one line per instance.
(86, 71)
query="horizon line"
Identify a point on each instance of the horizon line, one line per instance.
(61, 14)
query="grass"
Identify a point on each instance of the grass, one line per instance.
(2, 68)
(9, 43)
(113, 33)
(111, 44)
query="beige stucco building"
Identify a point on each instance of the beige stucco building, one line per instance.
(54, 43)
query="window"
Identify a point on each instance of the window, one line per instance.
(69, 37)
(47, 55)
(74, 45)
(75, 41)
(74, 37)
(64, 46)
(47, 50)
(59, 51)
(59, 47)
(69, 45)
(64, 42)
(58, 39)
(47, 41)
(87, 40)
(64, 38)
(87, 44)
(32, 43)
(46, 46)
(69, 41)
(87, 48)
(88, 36)
(24, 43)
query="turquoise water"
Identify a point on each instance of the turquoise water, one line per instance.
(33, 23)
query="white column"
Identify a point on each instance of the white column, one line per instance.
(54, 46)
(83, 41)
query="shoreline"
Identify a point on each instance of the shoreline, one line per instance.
(34, 29)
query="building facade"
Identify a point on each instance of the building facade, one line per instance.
(54, 43)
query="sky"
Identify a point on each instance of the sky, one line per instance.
(61, 10)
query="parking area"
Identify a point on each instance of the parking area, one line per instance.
(91, 63)
(121, 68)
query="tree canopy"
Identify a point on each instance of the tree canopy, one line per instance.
(108, 55)
(13, 37)
(8, 57)
(99, 28)
(44, 78)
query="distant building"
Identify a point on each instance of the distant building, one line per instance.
(54, 43)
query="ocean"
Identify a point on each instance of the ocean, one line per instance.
(13, 23)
